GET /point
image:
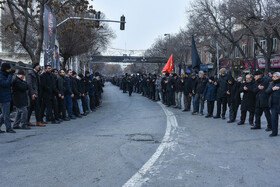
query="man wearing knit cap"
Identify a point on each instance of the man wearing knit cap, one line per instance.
(6, 76)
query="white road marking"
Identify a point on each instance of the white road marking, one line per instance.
(167, 142)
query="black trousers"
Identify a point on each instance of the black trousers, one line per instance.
(92, 102)
(243, 116)
(258, 115)
(169, 98)
(210, 107)
(233, 109)
(61, 108)
(47, 104)
(35, 105)
(76, 110)
(221, 102)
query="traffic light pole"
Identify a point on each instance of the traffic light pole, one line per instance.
(89, 19)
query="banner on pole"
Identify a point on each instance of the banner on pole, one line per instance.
(49, 37)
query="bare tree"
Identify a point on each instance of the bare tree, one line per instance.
(27, 21)
(261, 20)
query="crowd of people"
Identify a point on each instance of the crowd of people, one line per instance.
(255, 93)
(54, 95)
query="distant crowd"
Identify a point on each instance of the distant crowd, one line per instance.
(256, 93)
(54, 95)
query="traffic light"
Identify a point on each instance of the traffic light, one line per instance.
(122, 22)
(97, 16)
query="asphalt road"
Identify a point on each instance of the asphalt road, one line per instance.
(104, 148)
(132, 141)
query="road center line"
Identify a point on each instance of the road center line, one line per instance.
(138, 178)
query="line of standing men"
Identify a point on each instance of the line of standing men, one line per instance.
(257, 94)
(50, 93)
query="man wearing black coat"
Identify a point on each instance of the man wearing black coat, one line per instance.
(61, 87)
(198, 91)
(20, 100)
(262, 97)
(274, 102)
(77, 95)
(170, 88)
(187, 92)
(179, 88)
(248, 101)
(163, 87)
(233, 99)
(221, 94)
(49, 91)
(35, 94)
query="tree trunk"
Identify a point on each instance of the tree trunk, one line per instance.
(267, 65)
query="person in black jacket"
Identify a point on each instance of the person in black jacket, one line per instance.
(77, 95)
(57, 95)
(83, 103)
(274, 101)
(187, 92)
(179, 88)
(198, 91)
(87, 83)
(221, 94)
(68, 94)
(262, 97)
(170, 88)
(130, 84)
(61, 87)
(163, 88)
(193, 84)
(20, 99)
(233, 99)
(48, 90)
(248, 101)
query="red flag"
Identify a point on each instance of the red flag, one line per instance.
(169, 65)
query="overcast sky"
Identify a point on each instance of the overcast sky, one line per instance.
(146, 20)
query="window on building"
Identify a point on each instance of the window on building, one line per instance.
(263, 44)
(274, 44)
(244, 48)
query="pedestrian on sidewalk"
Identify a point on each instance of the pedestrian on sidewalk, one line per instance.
(20, 101)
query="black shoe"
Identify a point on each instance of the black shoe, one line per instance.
(10, 131)
(60, 120)
(240, 123)
(194, 113)
(201, 114)
(79, 116)
(268, 129)
(216, 117)
(272, 135)
(252, 124)
(73, 117)
(17, 127)
(25, 127)
(185, 110)
(230, 121)
(66, 119)
(55, 122)
(223, 117)
(255, 127)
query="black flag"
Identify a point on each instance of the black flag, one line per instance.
(195, 57)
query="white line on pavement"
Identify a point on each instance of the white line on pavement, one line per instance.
(138, 178)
